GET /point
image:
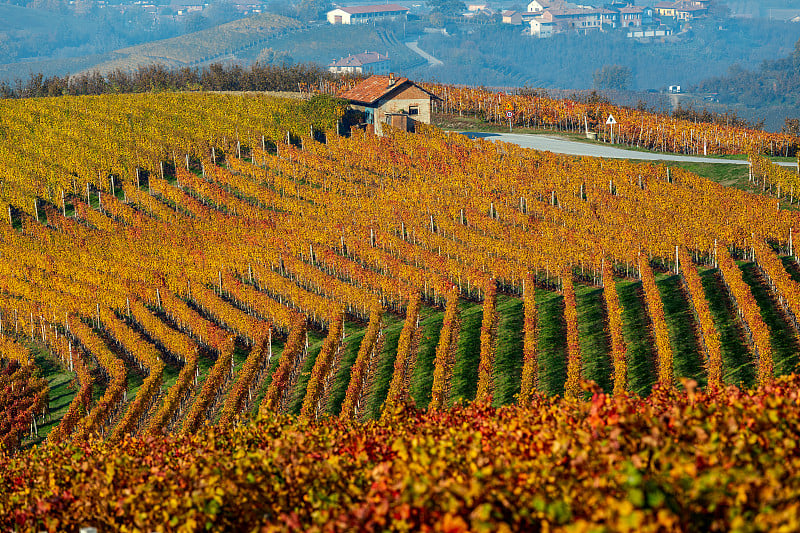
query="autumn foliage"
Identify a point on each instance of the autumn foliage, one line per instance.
(691, 461)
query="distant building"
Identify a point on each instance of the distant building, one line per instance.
(661, 31)
(683, 9)
(512, 17)
(556, 16)
(367, 62)
(366, 14)
(389, 100)
(542, 29)
(538, 6)
(580, 20)
(630, 16)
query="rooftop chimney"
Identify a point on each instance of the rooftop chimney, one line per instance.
(391, 79)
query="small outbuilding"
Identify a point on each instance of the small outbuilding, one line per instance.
(390, 100)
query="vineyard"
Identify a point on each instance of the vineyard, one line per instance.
(201, 46)
(634, 127)
(194, 261)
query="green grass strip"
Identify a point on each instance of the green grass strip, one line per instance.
(508, 355)
(349, 353)
(384, 369)
(552, 342)
(682, 327)
(737, 361)
(315, 340)
(642, 371)
(431, 321)
(61, 384)
(468, 354)
(594, 337)
(783, 338)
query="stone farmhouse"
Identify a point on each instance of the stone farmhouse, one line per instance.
(389, 100)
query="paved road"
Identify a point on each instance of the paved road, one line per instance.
(559, 145)
(432, 61)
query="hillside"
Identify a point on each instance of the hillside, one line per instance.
(214, 44)
(29, 36)
(775, 85)
(225, 276)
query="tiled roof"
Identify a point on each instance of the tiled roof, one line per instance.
(573, 12)
(375, 87)
(631, 9)
(373, 9)
(359, 60)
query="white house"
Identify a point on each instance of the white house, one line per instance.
(538, 6)
(367, 62)
(542, 28)
(366, 14)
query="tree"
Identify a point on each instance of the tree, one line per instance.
(313, 9)
(791, 126)
(612, 77)
(448, 7)
(796, 56)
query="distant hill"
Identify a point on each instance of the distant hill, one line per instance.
(326, 43)
(28, 36)
(773, 86)
(212, 44)
(16, 19)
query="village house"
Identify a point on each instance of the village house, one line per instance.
(389, 100)
(367, 14)
(366, 62)
(683, 9)
(630, 17)
(542, 29)
(538, 6)
(555, 16)
(574, 19)
(512, 17)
